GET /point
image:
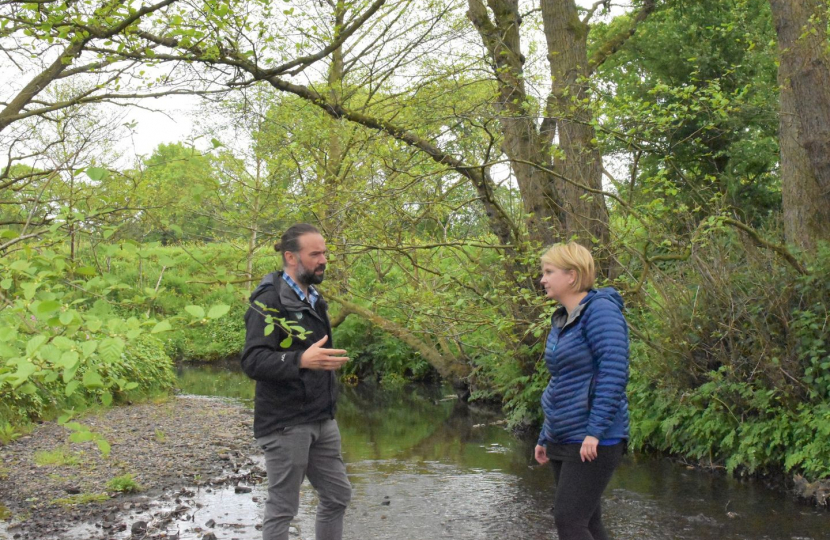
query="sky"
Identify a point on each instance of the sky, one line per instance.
(173, 117)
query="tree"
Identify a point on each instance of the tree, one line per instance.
(804, 79)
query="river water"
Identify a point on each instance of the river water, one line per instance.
(426, 467)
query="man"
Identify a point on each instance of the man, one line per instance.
(295, 388)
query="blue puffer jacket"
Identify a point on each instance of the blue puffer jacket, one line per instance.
(587, 356)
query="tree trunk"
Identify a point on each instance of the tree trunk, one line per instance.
(804, 78)
(558, 205)
(522, 143)
(569, 118)
(806, 212)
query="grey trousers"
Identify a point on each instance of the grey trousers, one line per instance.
(291, 454)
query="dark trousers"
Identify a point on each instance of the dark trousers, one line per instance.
(305, 451)
(579, 486)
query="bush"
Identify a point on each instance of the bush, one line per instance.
(143, 368)
(736, 372)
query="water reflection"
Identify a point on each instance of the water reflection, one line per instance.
(224, 380)
(425, 467)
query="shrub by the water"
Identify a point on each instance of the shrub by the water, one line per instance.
(736, 372)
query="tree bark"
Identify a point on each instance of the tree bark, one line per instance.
(564, 141)
(804, 79)
(522, 141)
(568, 109)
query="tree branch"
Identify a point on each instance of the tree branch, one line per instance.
(615, 42)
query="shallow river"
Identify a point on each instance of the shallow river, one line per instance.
(425, 467)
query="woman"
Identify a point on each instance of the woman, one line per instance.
(586, 409)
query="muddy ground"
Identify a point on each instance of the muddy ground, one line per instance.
(48, 486)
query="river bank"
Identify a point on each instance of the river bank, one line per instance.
(422, 467)
(49, 486)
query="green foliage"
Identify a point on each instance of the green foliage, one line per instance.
(378, 356)
(695, 93)
(733, 381)
(124, 484)
(8, 433)
(61, 457)
(73, 334)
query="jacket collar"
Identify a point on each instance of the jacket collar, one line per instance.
(289, 299)
(561, 318)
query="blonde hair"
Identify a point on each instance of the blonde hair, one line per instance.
(572, 256)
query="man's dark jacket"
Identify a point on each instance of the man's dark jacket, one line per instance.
(286, 395)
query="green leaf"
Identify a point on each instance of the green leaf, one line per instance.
(70, 371)
(69, 359)
(7, 333)
(269, 329)
(110, 349)
(29, 290)
(6, 284)
(82, 436)
(92, 380)
(97, 174)
(131, 386)
(34, 344)
(71, 387)
(103, 446)
(27, 389)
(217, 311)
(86, 271)
(93, 325)
(46, 308)
(63, 343)
(24, 371)
(106, 399)
(197, 311)
(50, 353)
(67, 317)
(286, 342)
(163, 326)
(215, 142)
(20, 266)
(88, 348)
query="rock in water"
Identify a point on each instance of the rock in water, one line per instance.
(139, 528)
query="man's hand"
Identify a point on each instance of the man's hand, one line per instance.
(588, 452)
(540, 454)
(316, 357)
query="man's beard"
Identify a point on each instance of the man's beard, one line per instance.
(309, 277)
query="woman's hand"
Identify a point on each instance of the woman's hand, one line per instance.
(540, 454)
(588, 452)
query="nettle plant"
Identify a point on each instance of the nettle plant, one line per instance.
(72, 336)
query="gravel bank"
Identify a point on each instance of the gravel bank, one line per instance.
(184, 442)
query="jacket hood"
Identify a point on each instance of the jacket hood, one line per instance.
(267, 281)
(606, 292)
